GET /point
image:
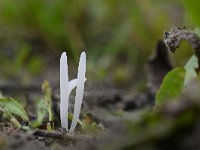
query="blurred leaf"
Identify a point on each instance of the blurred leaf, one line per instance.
(47, 98)
(197, 31)
(190, 69)
(51, 27)
(15, 121)
(21, 58)
(192, 10)
(49, 126)
(44, 106)
(89, 125)
(11, 106)
(172, 85)
(41, 113)
(35, 65)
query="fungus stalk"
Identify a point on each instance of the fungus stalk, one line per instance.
(67, 86)
(79, 91)
(64, 97)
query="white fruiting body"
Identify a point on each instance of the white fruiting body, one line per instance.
(66, 87)
(64, 82)
(79, 90)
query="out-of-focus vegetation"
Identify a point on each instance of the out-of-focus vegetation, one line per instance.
(172, 86)
(118, 36)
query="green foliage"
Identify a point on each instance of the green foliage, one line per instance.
(35, 65)
(172, 85)
(42, 110)
(51, 27)
(192, 10)
(24, 59)
(21, 58)
(190, 68)
(47, 98)
(44, 106)
(174, 82)
(197, 31)
(23, 63)
(89, 125)
(12, 107)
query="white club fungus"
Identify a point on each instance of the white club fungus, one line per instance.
(66, 87)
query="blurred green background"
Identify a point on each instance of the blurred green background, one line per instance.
(118, 36)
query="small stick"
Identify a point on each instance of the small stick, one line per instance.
(52, 134)
(60, 135)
